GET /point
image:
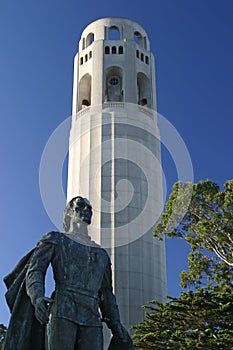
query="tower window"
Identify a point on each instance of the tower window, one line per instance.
(120, 50)
(89, 40)
(90, 54)
(81, 61)
(138, 38)
(83, 43)
(142, 57)
(113, 85)
(114, 81)
(114, 33)
(114, 51)
(144, 91)
(137, 53)
(84, 91)
(107, 51)
(86, 58)
(147, 60)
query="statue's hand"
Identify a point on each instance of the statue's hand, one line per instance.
(42, 309)
(121, 332)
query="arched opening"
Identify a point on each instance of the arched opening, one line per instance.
(113, 91)
(120, 50)
(107, 50)
(114, 50)
(84, 92)
(89, 39)
(81, 61)
(142, 57)
(83, 43)
(147, 60)
(138, 38)
(86, 58)
(114, 33)
(144, 91)
(90, 54)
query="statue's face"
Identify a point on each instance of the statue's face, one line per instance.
(82, 210)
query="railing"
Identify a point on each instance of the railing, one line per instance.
(116, 105)
(146, 111)
(82, 112)
(113, 105)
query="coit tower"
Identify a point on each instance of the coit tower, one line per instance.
(115, 157)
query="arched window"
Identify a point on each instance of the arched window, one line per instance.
(142, 57)
(84, 98)
(120, 50)
(83, 43)
(107, 51)
(90, 38)
(114, 51)
(86, 58)
(144, 91)
(147, 60)
(137, 53)
(81, 61)
(90, 54)
(114, 33)
(138, 38)
(114, 90)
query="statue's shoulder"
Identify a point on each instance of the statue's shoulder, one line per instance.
(105, 255)
(52, 237)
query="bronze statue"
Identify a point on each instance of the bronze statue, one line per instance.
(83, 286)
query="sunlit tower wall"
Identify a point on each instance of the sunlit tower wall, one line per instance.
(114, 157)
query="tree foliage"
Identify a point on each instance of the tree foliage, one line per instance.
(207, 226)
(202, 317)
(208, 219)
(197, 320)
(2, 335)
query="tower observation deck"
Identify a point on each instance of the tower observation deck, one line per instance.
(115, 157)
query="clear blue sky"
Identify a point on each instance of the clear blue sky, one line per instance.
(192, 43)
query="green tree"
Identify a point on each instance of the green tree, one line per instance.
(207, 226)
(2, 335)
(197, 320)
(208, 219)
(202, 317)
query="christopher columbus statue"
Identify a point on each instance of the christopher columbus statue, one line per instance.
(72, 318)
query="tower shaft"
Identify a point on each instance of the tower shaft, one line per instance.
(115, 157)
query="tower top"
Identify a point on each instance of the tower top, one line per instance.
(114, 64)
(121, 28)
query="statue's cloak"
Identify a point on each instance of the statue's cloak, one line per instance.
(24, 331)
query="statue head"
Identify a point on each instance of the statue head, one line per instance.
(79, 211)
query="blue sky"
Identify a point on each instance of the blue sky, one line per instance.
(192, 43)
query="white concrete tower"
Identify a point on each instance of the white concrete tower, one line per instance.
(114, 157)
